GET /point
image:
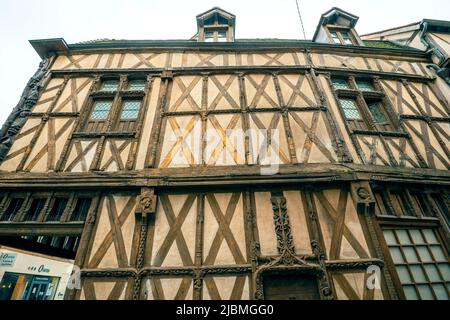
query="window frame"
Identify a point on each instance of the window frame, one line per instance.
(408, 222)
(339, 30)
(109, 126)
(363, 98)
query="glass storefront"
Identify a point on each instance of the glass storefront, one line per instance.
(16, 286)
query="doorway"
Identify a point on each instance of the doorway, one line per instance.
(291, 287)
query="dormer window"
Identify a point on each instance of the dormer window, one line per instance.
(215, 25)
(337, 26)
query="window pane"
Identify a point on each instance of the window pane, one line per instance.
(35, 209)
(410, 293)
(396, 255)
(440, 291)
(339, 84)
(418, 274)
(403, 237)
(335, 37)
(378, 115)
(430, 236)
(137, 85)
(444, 268)
(425, 292)
(110, 85)
(416, 236)
(424, 254)
(81, 209)
(403, 274)
(410, 254)
(130, 109)
(101, 110)
(14, 206)
(432, 272)
(390, 238)
(365, 85)
(57, 210)
(438, 254)
(350, 109)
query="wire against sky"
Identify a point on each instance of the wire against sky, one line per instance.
(301, 20)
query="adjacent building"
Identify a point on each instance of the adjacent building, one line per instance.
(220, 168)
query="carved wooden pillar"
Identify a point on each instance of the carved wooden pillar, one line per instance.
(364, 200)
(86, 239)
(145, 210)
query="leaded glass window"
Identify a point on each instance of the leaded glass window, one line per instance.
(340, 84)
(101, 110)
(130, 110)
(365, 85)
(110, 85)
(421, 263)
(378, 115)
(350, 109)
(137, 85)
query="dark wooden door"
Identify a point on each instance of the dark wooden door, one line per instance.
(291, 287)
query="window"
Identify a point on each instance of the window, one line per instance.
(340, 84)
(362, 105)
(101, 110)
(42, 208)
(81, 209)
(350, 108)
(376, 110)
(36, 207)
(115, 111)
(110, 86)
(130, 110)
(137, 85)
(209, 36)
(365, 85)
(129, 115)
(346, 37)
(12, 209)
(59, 205)
(421, 263)
(342, 37)
(99, 116)
(335, 37)
(220, 35)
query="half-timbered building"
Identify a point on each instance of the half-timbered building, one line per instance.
(219, 168)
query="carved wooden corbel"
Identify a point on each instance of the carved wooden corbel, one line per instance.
(363, 197)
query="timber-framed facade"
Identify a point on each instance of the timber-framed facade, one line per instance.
(141, 161)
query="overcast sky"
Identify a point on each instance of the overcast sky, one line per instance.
(80, 20)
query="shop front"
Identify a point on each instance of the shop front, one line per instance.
(30, 276)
